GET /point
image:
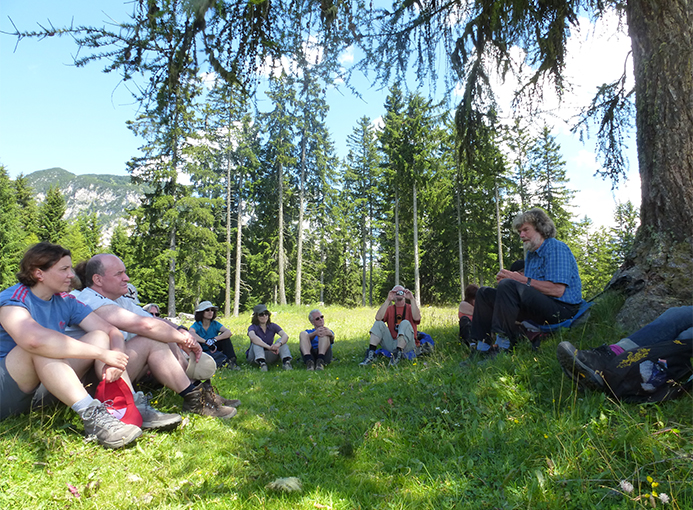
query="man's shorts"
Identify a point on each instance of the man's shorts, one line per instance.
(328, 354)
(406, 330)
(12, 399)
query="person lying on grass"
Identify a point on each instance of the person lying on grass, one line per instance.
(34, 349)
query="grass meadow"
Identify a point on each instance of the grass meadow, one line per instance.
(431, 434)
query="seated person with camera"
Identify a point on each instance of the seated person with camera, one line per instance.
(395, 326)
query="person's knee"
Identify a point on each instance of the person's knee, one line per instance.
(97, 338)
(507, 285)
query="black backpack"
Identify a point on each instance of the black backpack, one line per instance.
(654, 373)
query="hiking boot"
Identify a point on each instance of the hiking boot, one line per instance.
(320, 364)
(310, 365)
(263, 366)
(426, 348)
(584, 367)
(213, 394)
(198, 401)
(396, 357)
(287, 365)
(108, 430)
(153, 419)
(231, 365)
(370, 358)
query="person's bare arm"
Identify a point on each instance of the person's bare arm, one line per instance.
(324, 331)
(35, 339)
(223, 334)
(415, 312)
(93, 322)
(149, 327)
(256, 339)
(197, 337)
(380, 314)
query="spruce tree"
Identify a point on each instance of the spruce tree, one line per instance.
(11, 233)
(52, 227)
(361, 195)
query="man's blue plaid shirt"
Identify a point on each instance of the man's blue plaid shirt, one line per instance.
(553, 261)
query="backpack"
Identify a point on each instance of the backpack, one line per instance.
(654, 373)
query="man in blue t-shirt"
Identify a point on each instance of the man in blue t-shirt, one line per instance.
(316, 343)
(549, 291)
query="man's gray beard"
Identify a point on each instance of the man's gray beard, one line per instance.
(530, 246)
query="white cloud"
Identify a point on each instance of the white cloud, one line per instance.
(347, 57)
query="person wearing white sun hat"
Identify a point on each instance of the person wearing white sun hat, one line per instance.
(212, 334)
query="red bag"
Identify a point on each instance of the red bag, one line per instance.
(117, 397)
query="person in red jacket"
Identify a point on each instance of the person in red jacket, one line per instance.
(395, 326)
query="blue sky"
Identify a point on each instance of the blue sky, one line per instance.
(53, 114)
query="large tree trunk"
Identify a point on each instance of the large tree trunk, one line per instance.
(172, 273)
(280, 256)
(363, 260)
(227, 289)
(239, 249)
(396, 236)
(498, 225)
(460, 245)
(417, 280)
(658, 272)
(299, 240)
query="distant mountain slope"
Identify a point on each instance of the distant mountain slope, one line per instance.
(107, 195)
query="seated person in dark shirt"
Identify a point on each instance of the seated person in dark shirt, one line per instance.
(263, 349)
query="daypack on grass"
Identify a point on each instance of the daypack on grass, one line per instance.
(654, 373)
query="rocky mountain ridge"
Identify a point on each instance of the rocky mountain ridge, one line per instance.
(109, 196)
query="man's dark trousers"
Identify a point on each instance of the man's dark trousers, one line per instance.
(497, 310)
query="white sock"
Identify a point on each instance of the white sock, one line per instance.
(82, 404)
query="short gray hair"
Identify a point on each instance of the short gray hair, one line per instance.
(538, 219)
(310, 314)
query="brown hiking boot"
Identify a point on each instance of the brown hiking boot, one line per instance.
(213, 395)
(199, 402)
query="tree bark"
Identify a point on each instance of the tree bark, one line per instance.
(658, 272)
(363, 260)
(280, 256)
(227, 289)
(239, 250)
(172, 273)
(498, 225)
(301, 200)
(396, 236)
(417, 280)
(460, 246)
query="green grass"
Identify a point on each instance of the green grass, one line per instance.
(511, 433)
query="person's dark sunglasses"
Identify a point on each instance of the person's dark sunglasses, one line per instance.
(263, 314)
(157, 314)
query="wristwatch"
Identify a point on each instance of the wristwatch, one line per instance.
(529, 282)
